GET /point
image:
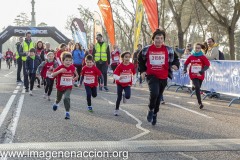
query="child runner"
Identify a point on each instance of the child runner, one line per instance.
(115, 55)
(32, 64)
(199, 64)
(89, 76)
(45, 70)
(124, 75)
(64, 74)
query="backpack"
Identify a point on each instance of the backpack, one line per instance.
(221, 55)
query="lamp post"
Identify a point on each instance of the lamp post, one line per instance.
(33, 21)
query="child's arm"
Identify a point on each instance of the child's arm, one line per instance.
(54, 74)
(134, 78)
(81, 80)
(76, 77)
(40, 67)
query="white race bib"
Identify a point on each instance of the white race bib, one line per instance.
(89, 79)
(157, 59)
(126, 78)
(196, 68)
(116, 58)
(66, 81)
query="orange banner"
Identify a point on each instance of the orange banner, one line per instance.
(106, 11)
(151, 9)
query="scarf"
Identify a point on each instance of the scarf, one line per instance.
(33, 57)
(197, 54)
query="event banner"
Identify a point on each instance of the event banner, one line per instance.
(79, 31)
(106, 11)
(222, 77)
(138, 23)
(151, 9)
(97, 25)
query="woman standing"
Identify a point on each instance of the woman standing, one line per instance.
(78, 57)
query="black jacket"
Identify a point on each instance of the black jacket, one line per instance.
(19, 48)
(32, 65)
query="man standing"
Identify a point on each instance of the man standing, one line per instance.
(212, 51)
(27, 45)
(19, 59)
(135, 62)
(101, 54)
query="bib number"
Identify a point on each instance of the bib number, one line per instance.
(157, 59)
(196, 68)
(116, 58)
(89, 79)
(126, 78)
(66, 81)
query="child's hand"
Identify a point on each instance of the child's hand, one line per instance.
(62, 70)
(101, 85)
(75, 78)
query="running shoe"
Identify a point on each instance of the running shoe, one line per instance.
(154, 119)
(90, 109)
(55, 107)
(150, 116)
(67, 115)
(116, 112)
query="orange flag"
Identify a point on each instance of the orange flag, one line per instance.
(151, 9)
(106, 11)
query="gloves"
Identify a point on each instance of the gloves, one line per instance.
(201, 72)
(184, 71)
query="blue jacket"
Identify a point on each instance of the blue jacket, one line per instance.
(32, 65)
(78, 57)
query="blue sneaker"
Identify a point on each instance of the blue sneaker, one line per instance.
(55, 106)
(90, 109)
(150, 116)
(154, 120)
(67, 116)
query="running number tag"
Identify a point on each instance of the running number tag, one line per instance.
(66, 81)
(126, 78)
(116, 58)
(89, 79)
(196, 68)
(157, 59)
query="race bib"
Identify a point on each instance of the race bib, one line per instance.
(116, 58)
(66, 81)
(89, 79)
(196, 68)
(126, 78)
(157, 59)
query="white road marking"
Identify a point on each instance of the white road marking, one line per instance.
(23, 91)
(177, 97)
(187, 156)
(138, 125)
(195, 112)
(15, 91)
(8, 74)
(207, 103)
(18, 87)
(6, 109)
(191, 102)
(13, 128)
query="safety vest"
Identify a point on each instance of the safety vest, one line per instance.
(17, 55)
(101, 52)
(26, 49)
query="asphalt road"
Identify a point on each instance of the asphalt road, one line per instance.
(183, 131)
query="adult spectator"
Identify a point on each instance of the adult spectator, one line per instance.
(155, 62)
(135, 62)
(212, 51)
(101, 55)
(181, 51)
(27, 45)
(19, 53)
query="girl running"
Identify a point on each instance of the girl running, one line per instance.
(45, 70)
(90, 74)
(124, 75)
(64, 74)
(199, 64)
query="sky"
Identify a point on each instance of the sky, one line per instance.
(52, 12)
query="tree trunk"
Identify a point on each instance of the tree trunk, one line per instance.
(180, 39)
(231, 43)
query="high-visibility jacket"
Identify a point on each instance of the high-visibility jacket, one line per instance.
(17, 55)
(101, 52)
(26, 49)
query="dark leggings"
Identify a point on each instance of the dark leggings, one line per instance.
(197, 84)
(38, 80)
(156, 88)
(127, 91)
(32, 77)
(79, 70)
(49, 86)
(90, 92)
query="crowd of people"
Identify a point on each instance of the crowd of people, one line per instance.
(71, 65)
